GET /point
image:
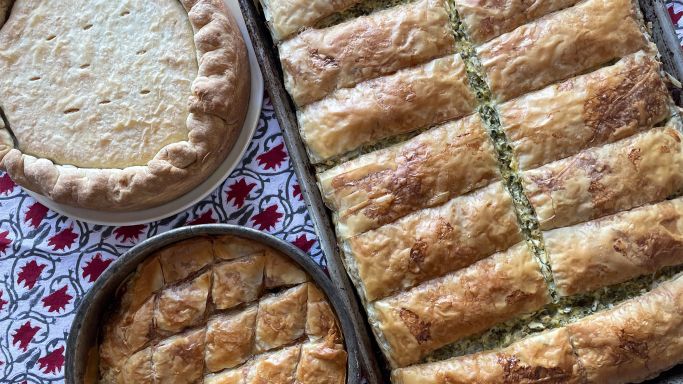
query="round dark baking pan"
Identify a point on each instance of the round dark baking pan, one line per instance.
(81, 347)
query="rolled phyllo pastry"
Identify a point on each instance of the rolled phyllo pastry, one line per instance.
(634, 341)
(425, 171)
(416, 322)
(616, 248)
(432, 242)
(544, 358)
(318, 61)
(641, 169)
(405, 101)
(601, 107)
(287, 17)
(561, 45)
(486, 19)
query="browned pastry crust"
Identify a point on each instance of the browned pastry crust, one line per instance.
(616, 248)
(230, 339)
(416, 322)
(285, 18)
(322, 363)
(182, 306)
(544, 358)
(281, 318)
(318, 61)
(136, 369)
(281, 271)
(407, 100)
(426, 171)
(229, 247)
(433, 242)
(486, 19)
(641, 169)
(184, 258)
(218, 105)
(236, 282)
(561, 45)
(635, 341)
(320, 319)
(180, 359)
(587, 111)
(276, 367)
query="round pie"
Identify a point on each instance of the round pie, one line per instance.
(220, 310)
(118, 104)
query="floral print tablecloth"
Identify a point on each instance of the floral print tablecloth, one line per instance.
(49, 261)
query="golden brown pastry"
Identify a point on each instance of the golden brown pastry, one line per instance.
(318, 61)
(281, 318)
(544, 358)
(233, 376)
(320, 319)
(561, 45)
(636, 340)
(239, 281)
(182, 259)
(286, 18)
(322, 363)
(416, 322)
(182, 306)
(409, 99)
(425, 171)
(180, 359)
(280, 271)
(616, 248)
(604, 106)
(486, 19)
(275, 368)
(137, 369)
(433, 242)
(642, 169)
(230, 339)
(229, 247)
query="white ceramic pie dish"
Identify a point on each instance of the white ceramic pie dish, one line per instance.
(207, 186)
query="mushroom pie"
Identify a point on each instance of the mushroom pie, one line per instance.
(221, 310)
(505, 178)
(118, 104)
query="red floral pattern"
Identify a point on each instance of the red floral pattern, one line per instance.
(51, 260)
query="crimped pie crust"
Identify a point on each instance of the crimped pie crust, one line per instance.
(217, 105)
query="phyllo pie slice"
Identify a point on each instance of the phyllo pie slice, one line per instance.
(275, 368)
(407, 100)
(281, 271)
(544, 358)
(117, 105)
(486, 19)
(238, 281)
(601, 107)
(281, 318)
(616, 248)
(230, 339)
(561, 45)
(229, 247)
(318, 61)
(320, 319)
(634, 341)
(414, 323)
(286, 18)
(180, 359)
(181, 306)
(184, 258)
(137, 369)
(323, 362)
(432, 242)
(641, 169)
(427, 170)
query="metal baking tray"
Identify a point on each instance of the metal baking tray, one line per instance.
(374, 367)
(83, 336)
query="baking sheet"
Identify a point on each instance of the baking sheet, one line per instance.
(266, 52)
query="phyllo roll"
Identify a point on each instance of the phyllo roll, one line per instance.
(634, 341)
(425, 171)
(604, 106)
(544, 358)
(318, 61)
(641, 169)
(486, 19)
(616, 248)
(416, 322)
(407, 100)
(433, 242)
(287, 17)
(561, 45)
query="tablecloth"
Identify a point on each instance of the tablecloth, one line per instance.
(49, 261)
